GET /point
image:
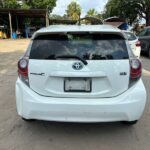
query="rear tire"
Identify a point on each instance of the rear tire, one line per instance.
(28, 120)
(129, 123)
(149, 52)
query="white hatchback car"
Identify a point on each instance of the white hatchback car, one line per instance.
(81, 73)
(134, 43)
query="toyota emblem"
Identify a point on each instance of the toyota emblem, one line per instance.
(77, 66)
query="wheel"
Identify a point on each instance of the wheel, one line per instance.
(129, 123)
(28, 120)
(149, 52)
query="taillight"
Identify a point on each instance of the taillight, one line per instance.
(138, 44)
(135, 69)
(23, 70)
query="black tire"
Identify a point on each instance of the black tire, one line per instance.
(28, 120)
(129, 123)
(149, 52)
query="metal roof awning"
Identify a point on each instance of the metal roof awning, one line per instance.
(114, 19)
(25, 12)
(117, 22)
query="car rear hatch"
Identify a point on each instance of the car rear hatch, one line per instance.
(79, 65)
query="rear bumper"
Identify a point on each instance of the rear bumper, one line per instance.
(128, 106)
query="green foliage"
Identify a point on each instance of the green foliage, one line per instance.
(42, 4)
(1, 4)
(25, 6)
(9, 4)
(54, 16)
(39, 4)
(73, 11)
(131, 10)
(93, 13)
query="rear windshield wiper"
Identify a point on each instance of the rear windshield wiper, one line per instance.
(74, 57)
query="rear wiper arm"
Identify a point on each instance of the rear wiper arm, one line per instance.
(72, 56)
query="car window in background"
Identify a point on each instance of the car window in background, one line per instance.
(130, 36)
(142, 33)
(148, 32)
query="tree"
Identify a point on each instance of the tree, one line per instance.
(73, 11)
(142, 8)
(132, 10)
(93, 13)
(1, 4)
(120, 8)
(40, 4)
(25, 5)
(54, 16)
(45, 4)
(9, 4)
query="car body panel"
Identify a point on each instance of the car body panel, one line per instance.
(75, 28)
(132, 42)
(135, 49)
(105, 82)
(128, 106)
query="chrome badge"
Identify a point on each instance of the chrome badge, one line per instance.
(77, 66)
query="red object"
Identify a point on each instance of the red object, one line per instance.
(138, 44)
(135, 69)
(23, 70)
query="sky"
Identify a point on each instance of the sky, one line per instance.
(61, 6)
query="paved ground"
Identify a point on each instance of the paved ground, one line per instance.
(16, 134)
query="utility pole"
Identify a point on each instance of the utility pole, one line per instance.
(10, 23)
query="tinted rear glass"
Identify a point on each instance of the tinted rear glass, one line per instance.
(85, 45)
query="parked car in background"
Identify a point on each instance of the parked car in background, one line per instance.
(134, 43)
(81, 73)
(144, 37)
(31, 31)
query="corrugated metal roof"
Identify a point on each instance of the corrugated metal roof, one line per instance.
(25, 12)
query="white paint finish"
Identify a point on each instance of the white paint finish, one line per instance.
(110, 99)
(128, 106)
(136, 50)
(77, 28)
(105, 76)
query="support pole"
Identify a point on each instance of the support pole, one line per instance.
(17, 23)
(10, 23)
(47, 18)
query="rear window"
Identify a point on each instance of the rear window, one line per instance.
(84, 45)
(130, 36)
